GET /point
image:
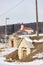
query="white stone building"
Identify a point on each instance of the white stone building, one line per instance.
(24, 48)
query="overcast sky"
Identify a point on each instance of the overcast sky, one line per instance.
(19, 11)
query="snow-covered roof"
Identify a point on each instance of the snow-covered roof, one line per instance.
(28, 39)
(29, 42)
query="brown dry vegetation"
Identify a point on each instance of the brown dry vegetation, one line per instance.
(14, 55)
(38, 48)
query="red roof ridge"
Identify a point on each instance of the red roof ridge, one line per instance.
(27, 28)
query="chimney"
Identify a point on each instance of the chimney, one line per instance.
(22, 26)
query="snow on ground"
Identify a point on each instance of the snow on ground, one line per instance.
(39, 55)
(2, 59)
(26, 37)
(34, 50)
(40, 40)
(41, 34)
(7, 51)
(36, 62)
(2, 45)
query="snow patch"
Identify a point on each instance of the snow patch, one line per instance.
(40, 40)
(39, 55)
(7, 51)
(34, 50)
(36, 62)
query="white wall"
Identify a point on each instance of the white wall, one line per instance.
(23, 44)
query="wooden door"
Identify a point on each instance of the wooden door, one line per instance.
(24, 53)
(12, 42)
